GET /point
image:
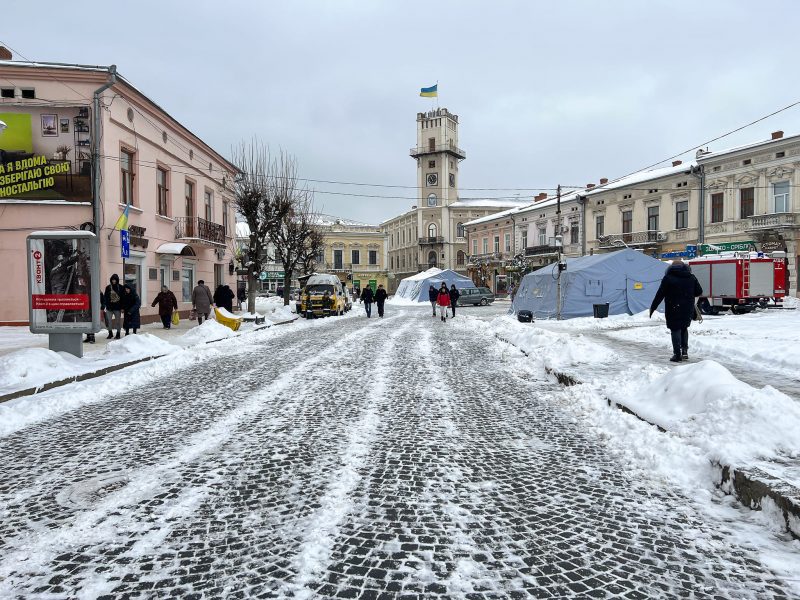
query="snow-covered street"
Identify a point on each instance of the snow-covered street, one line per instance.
(361, 458)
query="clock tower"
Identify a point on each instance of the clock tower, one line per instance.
(438, 156)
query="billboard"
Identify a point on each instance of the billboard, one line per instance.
(45, 153)
(63, 282)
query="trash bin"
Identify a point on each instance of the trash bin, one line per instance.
(525, 316)
(600, 311)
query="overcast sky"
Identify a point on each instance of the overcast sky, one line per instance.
(546, 92)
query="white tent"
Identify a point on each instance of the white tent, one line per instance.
(415, 288)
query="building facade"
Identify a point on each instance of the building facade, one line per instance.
(356, 252)
(181, 215)
(432, 233)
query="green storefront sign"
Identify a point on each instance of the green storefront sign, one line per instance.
(745, 246)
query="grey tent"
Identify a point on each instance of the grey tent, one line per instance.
(415, 288)
(626, 279)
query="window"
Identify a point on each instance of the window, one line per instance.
(486, 245)
(355, 257)
(431, 164)
(225, 226)
(627, 196)
(373, 257)
(338, 259)
(497, 243)
(682, 214)
(542, 236)
(460, 230)
(717, 206)
(431, 199)
(432, 144)
(652, 218)
(188, 193)
(6, 92)
(474, 246)
(747, 202)
(208, 205)
(431, 258)
(574, 233)
(432, 230)
(460, 257)
(391, 262)
(747, 162)
(187, 283)
(653, 191)
(780, 194)
(627, 225)
(599, 226)
(525, 239)
(507, 244)
(716, 169)
(28, 93)
(780, 154)
(133, 275)
(161, 192)
(126, 176)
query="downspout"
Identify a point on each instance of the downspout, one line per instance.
(582, 203)
(112, 79)
(700, 172)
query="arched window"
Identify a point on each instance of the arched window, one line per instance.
(431, 199)
(432, 258)
(460, 257)
(460, 230)
(432, 230)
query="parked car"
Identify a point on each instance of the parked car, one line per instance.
(475, 296)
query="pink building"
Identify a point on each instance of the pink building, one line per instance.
(181, 221)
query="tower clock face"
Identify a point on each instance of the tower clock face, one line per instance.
(432, 179)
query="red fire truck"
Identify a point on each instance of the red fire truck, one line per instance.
(740, 281)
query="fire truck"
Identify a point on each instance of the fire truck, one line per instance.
(740, 281)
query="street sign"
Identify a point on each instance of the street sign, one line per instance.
(262, 276)
(124, 243)
(746, 246)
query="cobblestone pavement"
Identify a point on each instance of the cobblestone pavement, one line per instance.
(401, 457)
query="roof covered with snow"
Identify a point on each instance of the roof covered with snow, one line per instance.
(487, 202)
(719, 153)
(641, 177)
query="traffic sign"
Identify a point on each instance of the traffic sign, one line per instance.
(124, 243)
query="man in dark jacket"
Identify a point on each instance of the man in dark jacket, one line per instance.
(454, 296)
(433, 295)
(367, 296)
(380, 299)
(112, 298)
(679, 289)
(166, 301)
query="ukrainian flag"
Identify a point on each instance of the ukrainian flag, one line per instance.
(122, 222)
(429, 92)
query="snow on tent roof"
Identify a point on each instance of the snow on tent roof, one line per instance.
(626, 280)
(415, 288)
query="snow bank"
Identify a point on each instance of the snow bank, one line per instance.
(209, 331)
(732, 421)
(284, 313)
(141, 344)
(33, 366)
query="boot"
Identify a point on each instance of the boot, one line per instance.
(110, 335)
(685, 354)
(675, 358)
(117, 336)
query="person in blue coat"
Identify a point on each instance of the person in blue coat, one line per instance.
(679, 290)
(131, 303)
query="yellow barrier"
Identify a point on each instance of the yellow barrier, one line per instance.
(232, 322)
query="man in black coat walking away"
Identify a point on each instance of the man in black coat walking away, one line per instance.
(433, 296)
(367, 296)
(380, 299)
(679, 290)
(454, 296)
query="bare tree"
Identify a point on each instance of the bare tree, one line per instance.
(295, 233)
(256, 202)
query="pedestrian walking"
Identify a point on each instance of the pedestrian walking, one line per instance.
(433, 295)
(367, 296)
(112, 298)
(241, 294)
(443, 301)
(380, 299)
(227, 298)
(218, 293)
(678, 290)
(454, 296)
(131, 303)
(201, 301)
(167, 302)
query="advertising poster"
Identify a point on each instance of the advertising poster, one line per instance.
(61, 283)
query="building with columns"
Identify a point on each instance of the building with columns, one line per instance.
(432, 233)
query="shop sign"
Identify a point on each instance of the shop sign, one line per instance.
(137, 236)
(773, 246)
(746, 246)
(262, 276)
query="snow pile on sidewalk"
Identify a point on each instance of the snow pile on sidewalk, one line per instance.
(34, 366)
(732, 422)
(274, 309)
(141, 344)
(209, 331)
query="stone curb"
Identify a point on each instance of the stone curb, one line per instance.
(749, 485)
(106, 370)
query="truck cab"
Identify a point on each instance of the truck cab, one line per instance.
(322, 296)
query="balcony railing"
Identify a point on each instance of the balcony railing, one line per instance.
(635, 238)
(426, 266)
(774, 220)
(199, 230)
(426, 241)
(449, 148)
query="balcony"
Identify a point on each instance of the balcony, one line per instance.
(195, 230)
(449, 148)
(428, 241)
(633, 239)
(425, 266)
(773, 221)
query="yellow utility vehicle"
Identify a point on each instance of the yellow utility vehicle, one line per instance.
(322, 296)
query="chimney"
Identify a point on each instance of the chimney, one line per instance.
(5, 53)
(776, 135)
(540, 197)
(604, 181)
(675, 163)
(589, 186)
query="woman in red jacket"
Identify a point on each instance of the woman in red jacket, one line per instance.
(443, 301)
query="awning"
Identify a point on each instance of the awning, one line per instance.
(176, 248)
